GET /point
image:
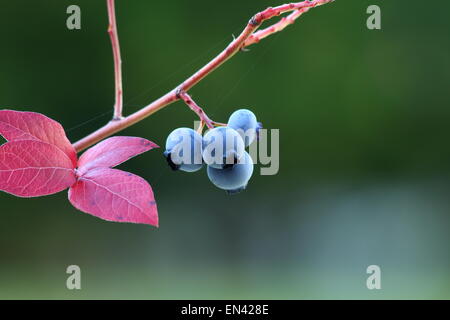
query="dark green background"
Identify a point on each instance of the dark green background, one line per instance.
(365, 158)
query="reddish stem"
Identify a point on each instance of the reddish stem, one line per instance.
(195, 107)
(277, 27)
(236, 45)
(112, 30)
(276, 11)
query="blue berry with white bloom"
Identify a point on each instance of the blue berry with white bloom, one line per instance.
(184, 150)
(245, 123)
(222, 147)
(234, 178)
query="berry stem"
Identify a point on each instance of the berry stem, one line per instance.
(219, 124)
(235, 46)
(112, 31)
(196, 108)
(201, 125)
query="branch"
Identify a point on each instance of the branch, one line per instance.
(277, 27)
(112, 30)
(172, 96)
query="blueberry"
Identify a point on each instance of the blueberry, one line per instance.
(184, 150)
(245, 123)
(222, 147)
(233, 179)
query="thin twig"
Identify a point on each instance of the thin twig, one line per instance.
(277, 27)
(195, 107)
(170, 97)
(112, 30)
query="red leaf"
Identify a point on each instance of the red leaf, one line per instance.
(115, 195)
(112, 152)
(31, 168)
(16, 125)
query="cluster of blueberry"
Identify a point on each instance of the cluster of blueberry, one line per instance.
(222, 149)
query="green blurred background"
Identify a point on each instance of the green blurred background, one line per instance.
(365, 164)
